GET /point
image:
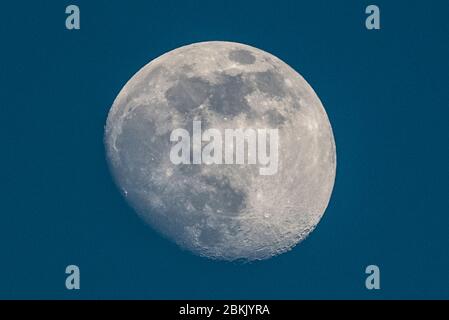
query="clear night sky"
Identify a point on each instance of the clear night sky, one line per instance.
(385, 92)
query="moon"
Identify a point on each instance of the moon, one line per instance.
(222, 211)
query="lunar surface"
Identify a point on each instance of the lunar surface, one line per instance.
(222, 211)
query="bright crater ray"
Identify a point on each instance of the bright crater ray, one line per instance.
(226, 212)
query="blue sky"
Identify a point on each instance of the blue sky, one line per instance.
(386, 96)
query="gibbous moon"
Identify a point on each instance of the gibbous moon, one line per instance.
(222, 211)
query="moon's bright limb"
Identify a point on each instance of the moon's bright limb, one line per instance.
(224, 212)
